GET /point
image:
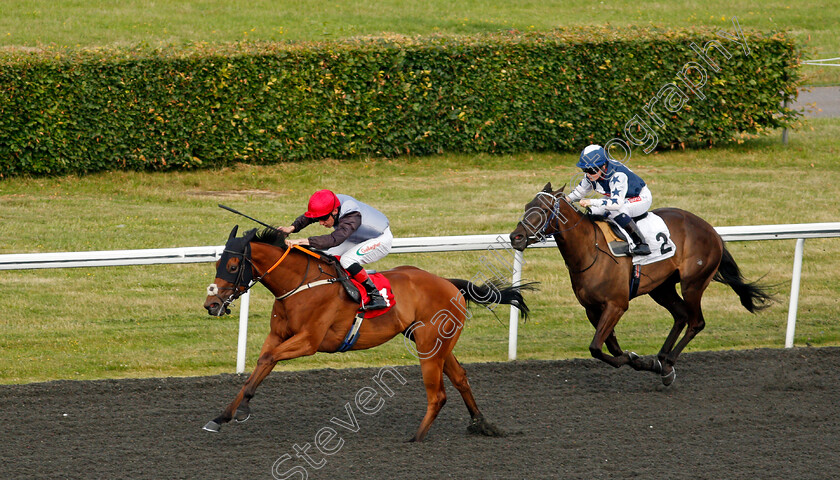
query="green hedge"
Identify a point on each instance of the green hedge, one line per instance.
(76, 111)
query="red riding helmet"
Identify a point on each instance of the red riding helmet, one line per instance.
(321, 204)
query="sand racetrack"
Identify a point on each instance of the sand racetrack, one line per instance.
(768, 413)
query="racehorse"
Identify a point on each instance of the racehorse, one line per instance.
(601, 282)
(312, 313)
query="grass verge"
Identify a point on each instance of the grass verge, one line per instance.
(173, 22)
(147, 320)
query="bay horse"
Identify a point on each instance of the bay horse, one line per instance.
(313, 313)
(601, 282)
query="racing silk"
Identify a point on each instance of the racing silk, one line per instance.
(356, 223)
(373, 224)
(618, 184)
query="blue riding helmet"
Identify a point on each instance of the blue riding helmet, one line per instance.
(593, 156)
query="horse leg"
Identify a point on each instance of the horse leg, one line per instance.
(696, 323)
(594, 315)
(632, 358)
(611, 342)
(605, 322)
(666, 295)
(272, 352)
(432, 370)
(458, 376)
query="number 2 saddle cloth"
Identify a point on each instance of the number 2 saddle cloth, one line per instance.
(656, 234)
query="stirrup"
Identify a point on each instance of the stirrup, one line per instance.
(375, 298)
(375, 302)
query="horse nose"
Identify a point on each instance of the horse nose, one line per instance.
(516, 241)
(213, 307)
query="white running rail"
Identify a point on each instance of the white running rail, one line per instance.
(492, 243)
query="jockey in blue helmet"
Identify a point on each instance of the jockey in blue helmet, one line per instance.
(625, 194)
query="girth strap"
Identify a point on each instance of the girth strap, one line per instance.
(634, 280)
(353, 334)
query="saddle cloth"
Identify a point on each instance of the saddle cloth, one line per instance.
(384, 286)
(656, 234)
(379, 281)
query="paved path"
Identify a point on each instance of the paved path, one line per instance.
(819, 102)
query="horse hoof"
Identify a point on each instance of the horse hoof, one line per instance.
(635, 361)
(480, 426)
(212, 427)
(241, 415)
(657, 365)
(668, 379)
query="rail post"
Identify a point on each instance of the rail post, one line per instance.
(513, 331)
(242, 343)
(794, 291)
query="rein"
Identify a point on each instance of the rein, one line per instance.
(247, 257)
(598, 249)
(555, 214)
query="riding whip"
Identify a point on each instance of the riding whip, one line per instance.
(249, 218)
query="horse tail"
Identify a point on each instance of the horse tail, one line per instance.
(754, 297)
(494, 294)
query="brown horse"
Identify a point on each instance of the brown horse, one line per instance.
(308, 318)
(601, 282)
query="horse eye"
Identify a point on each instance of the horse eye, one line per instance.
(233, 268)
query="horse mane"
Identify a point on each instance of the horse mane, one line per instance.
(272, 237)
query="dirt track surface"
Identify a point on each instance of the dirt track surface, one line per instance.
(747, 414)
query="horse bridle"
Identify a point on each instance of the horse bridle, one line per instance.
(555, 213)
(540, 234)
(245, 256)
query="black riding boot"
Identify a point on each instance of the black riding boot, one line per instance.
(641, 247)
(375, 300)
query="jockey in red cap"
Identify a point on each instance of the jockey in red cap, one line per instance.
(362, 235)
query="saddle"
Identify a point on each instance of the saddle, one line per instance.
(355, 290)
(620, 247)
(344, 278)
(616, 237)
(358, 294)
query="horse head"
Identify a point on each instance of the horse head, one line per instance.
(234, 273)
(546, 215)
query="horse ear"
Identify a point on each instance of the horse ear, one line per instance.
(562, 188)
(233, 232)
(547, 187)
